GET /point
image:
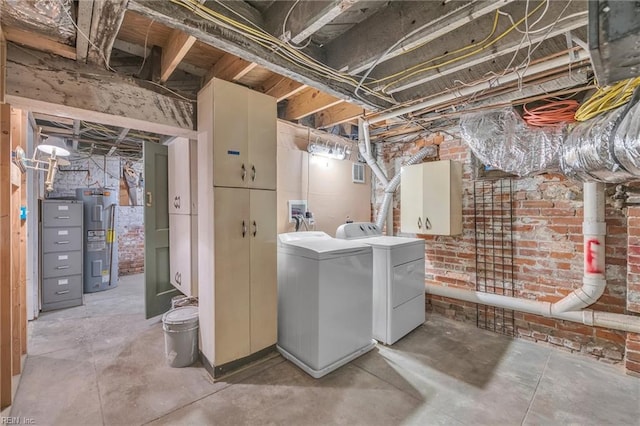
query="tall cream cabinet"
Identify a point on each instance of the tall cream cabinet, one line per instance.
(236, 225)
(431, 198)
(183, 216)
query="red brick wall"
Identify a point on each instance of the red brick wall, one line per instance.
(131, 250)
(548, 257)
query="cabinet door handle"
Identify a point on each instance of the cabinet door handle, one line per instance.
(62, 267)
(244, 229)
(427, 223)
(244, 172)
(62, 242)
(420, 223)
(178, 278)
(255, 226)
(253, 173)
(149, 199)
(62, 292)
(63, 217)
(176, 201)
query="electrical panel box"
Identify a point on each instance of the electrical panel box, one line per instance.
(431, 198)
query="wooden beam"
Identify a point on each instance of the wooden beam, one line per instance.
(105, 24)
(140, 51)
(282, 87)
(308, 102)
(509, 44)
(91, 94)
(338, 114)
(85, 11)
(303, 18)
(230, 68)
(3, 65)
(5, 258)
(176, 16)
(39, 42)
(173, 52)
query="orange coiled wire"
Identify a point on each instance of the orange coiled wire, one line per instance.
(551, 114)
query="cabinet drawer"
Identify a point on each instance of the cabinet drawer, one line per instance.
(61, 264)
(61, 239)
(61, 214)
(61, 289)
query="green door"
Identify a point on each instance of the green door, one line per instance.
(158, 289)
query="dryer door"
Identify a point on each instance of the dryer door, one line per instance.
(408, 282)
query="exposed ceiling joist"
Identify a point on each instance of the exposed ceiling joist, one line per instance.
(506, 45)
(105, 24)
(302, 18)
(91, 94)
(282, 87)
(308, 102)
(364, 44)
(140, 51)
(53, 119)
(39, 42)
(85, 11)
(176, 16)
(338, 114)
(173, 52)
(230, 68)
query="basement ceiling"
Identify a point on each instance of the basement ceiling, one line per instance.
(329, 62)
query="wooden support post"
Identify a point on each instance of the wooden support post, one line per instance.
(23, 242)
(14, 219)
(5, 257)
(3, 66)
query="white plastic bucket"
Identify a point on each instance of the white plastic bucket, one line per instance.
(180, 327)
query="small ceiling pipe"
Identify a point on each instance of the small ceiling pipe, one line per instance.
(587, 317)
(594, 229)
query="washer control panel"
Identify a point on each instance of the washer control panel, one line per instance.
(355, 230)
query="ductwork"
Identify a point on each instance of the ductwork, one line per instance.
(427, 151)
(365, 150)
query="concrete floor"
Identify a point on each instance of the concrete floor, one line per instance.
(103, 363)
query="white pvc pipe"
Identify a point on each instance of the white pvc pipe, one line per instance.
(587, 317)
(594, 229)
(365, 150)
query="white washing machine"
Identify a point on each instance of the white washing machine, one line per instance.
(324, 300)
(398, 280)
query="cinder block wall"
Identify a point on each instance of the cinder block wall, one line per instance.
(548, 256)
(100, 171)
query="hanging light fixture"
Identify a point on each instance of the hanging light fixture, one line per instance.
(54, 148)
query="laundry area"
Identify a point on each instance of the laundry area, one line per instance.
(319, 212)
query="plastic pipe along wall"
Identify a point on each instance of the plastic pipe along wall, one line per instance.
(571, 307)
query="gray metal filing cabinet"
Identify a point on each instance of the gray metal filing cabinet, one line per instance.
(61, 248)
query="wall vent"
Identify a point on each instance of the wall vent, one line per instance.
(357, 173)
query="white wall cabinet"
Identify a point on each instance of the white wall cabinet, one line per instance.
(237, 237)
(183, 219)
(244, 155)
(183, 194)
(431, 198)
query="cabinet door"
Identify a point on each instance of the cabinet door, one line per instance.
(231, 284)
(180, 252)
(411, 196)
(436, 205)
(230, 146)
(264, 293)
(180, 177)
(262, 141)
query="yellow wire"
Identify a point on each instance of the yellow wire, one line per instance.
(607, 98)
(459, 58)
